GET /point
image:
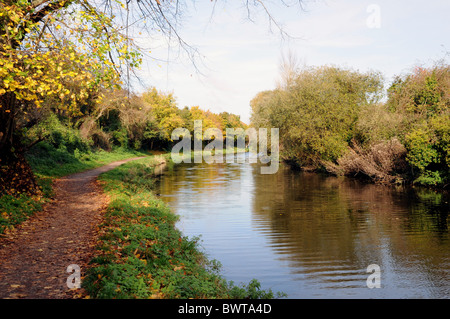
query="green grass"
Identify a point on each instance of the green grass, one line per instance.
(141, 254)
(47, 161)
(15, 210)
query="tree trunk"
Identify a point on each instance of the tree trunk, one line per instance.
(16, 176)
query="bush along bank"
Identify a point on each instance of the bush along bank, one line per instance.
(140, 252)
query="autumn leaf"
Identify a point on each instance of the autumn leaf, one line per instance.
(15, 286)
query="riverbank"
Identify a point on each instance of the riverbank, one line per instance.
(140, 252)
(48, 164)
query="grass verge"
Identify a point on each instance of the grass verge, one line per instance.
(141, 254)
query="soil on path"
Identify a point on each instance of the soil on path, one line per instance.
(35, 257)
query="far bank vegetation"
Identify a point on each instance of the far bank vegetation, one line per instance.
(345, 122)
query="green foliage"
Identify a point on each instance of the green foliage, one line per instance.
(50, 162)
(56, 56)
(421, 152)
(317, 112)
(47, 160)
(428, 147)
(422, 93)
(263, 112)
(441, 126)
(165, 111)
(429, 96)
(430, 178)
(422, 99)
(253, 291)
(120, 138)
(377, 123)
(59, 135)
(146, 121)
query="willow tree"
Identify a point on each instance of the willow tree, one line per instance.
(60, 54)
(317, 111)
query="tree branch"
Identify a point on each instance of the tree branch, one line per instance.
(50, 7)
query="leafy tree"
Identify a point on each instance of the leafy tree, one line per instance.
(46, 47)
(262, 110)
(422, 93)
(317, 112)
(165, 110)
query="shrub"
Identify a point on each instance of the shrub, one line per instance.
(381, 162)
(421, 152)
(376, 122)
(58, 134)
(428, 147)
(422, 97)
(90, 131)
(120, 138)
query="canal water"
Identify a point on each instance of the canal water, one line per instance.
(314, 236)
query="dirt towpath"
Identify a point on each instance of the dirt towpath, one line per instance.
(34, 258)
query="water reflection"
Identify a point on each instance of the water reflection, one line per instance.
(313, 236)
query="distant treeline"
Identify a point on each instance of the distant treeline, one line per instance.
(341, 121)
(121, 119)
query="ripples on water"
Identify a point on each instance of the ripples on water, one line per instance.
(312, 236)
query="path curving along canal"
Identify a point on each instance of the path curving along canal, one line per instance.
(35, 259)
(313, 236)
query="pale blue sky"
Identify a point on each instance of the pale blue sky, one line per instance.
(241, 58)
